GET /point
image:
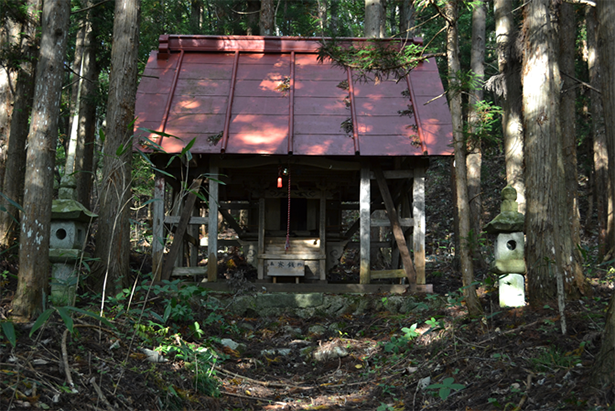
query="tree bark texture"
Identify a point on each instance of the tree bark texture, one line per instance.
(544, 167)
(40, 162)
(267, 18)
(374, 19)
(601, 159)
(463, 211)
(474, 158)
(113, 236)
(571, 221)
(22, 106)
(509, 64)
(605, 11)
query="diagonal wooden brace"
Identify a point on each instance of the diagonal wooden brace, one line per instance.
(178, 238)
(398, 232)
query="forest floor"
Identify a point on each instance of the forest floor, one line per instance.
(433, 357)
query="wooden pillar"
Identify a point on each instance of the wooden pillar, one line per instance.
(212, 226)
(418, 215)
(365, 223)
(261, 239)
(322, 228)
(158, 237)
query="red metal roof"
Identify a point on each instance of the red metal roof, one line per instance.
(270, 95)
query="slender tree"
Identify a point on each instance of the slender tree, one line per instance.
(42, 138)
(572, 228)
(22, 105)
(113, 235)
(602, 372)
(601, 159)
(461, 187)
(507, 85)
(86, 132)
(474, 158)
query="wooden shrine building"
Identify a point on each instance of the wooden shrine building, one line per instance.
(292, 142)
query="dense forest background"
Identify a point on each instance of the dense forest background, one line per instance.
(529, 84)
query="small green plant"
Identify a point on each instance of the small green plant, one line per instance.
(8, 329)
(65, 315)
(445, 387)
(385, 407)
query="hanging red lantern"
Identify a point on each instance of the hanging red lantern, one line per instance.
(280, 177)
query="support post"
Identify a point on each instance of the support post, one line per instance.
(158, 239)
(212, 226)
(418, 230)
(261, 239)
(364, 217)
(322, 228)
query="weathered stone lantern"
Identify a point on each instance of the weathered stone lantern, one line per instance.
(509, 250)
(69, 224)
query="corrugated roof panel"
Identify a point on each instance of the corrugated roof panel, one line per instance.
(267, 93)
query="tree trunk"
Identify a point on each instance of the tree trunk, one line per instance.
(474, 158)
(509, 65)
(196, 16)
(113, 236)
(22, 106)
(602, 375)
(86, 133)
(322, 15)
(544, 167)
(605, 11)
(463, 211)
(374, 19)
(406, 18)
(601, 159)
(571, 221)
(40, 162)
(9, 34)
(75, 101)
(252, 17)
(267, 18)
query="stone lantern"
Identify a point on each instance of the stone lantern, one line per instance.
(68, 229)
(509, 261)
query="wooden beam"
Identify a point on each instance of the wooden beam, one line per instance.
(212, 227)
(181, 230)
(404, 222)
(325, 163)
(364, 222)
(395, 174)
(385, 274)
(398, 233)
(158, 240)
(194, 220)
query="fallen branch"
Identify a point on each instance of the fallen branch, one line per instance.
(69, 378)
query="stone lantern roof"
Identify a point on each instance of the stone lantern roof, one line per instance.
(509, 220)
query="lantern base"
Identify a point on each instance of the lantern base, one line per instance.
(512, 290)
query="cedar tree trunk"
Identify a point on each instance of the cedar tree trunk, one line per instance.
(40, 162)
